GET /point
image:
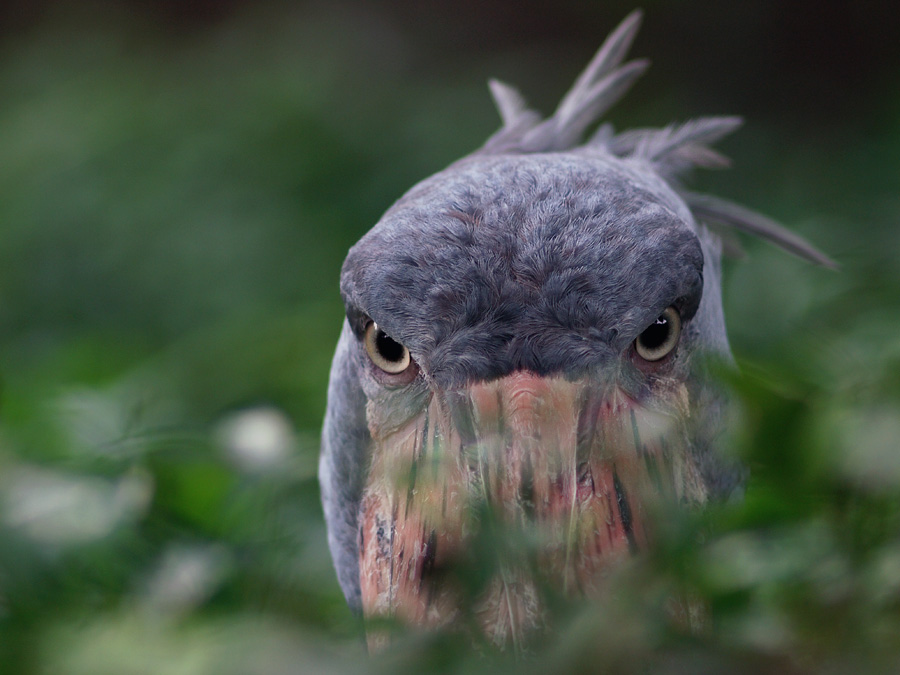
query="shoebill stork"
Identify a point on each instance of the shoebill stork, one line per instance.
(525, 331)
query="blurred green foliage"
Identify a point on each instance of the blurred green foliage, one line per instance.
(175, 203)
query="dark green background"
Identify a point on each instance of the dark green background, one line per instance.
(179, 183)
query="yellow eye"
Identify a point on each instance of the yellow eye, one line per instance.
(385, 352)
(660, 337)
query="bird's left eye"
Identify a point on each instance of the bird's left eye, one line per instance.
(385, 352)
(660, 337)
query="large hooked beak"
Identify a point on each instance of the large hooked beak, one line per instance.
(577, 462)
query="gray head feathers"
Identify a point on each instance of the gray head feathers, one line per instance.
(669, 151)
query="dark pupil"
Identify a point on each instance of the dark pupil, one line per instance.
(390, 349)
(655, 336)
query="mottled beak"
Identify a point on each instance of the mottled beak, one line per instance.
(579, 464)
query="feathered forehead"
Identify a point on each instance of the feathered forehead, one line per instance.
(666, 152)
(547, 262)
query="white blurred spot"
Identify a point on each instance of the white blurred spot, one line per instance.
(260, 439)
(882, 578)
(186, 577)
(869, 453)
(58, 508)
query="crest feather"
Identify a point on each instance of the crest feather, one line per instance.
(721, 211)
(597, 89)
(675, 148)
(669, 151)
(509, 102)
(607, 58)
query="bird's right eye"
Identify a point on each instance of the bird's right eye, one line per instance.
(661, 337)
(385, 352)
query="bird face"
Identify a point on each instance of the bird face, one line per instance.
(522, 330)
(524, 351)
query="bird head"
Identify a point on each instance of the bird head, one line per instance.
(527, 331)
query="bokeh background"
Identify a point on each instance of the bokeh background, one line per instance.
(179, 183)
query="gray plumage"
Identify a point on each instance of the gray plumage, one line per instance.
(536, 253)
